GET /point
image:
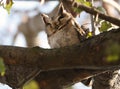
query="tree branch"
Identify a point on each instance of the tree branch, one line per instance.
(94, 50)
(63, 78)
(93, 11)
(63, 58)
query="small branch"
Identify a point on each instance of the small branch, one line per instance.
(92, 20)
(92, 11)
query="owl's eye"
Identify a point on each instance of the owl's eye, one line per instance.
(60, 17)
(48, 24)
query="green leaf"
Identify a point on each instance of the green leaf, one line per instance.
(31, 85)
(89, 34)
(77, 10)
(112, 58)
(89, 4)
(105, 26)
(2, 67)
(80, 1)
(84, 2)
(8, 5)
(113, 52)
(101, 9)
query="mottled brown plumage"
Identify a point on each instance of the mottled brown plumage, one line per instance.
(62, 30)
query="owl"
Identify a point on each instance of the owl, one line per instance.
(62, 29)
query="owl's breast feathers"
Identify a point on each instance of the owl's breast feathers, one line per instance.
(69, 34)
(63, 30)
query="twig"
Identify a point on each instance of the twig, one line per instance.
(92, 20)
(95, 12)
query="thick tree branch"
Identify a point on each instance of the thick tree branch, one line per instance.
(67, 57)
(22, 66)
(93, 50)
(63, 78)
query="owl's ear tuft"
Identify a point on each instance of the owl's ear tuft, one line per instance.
(61, 9)
(46, 19)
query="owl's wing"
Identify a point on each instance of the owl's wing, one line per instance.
(82, 33)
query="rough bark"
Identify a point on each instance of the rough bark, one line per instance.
(93, 50)
(108, 80)
(64, 78)
(48, 80)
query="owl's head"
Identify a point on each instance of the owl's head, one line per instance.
(61, 19)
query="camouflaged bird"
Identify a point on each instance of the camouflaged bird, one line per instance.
(63, 30)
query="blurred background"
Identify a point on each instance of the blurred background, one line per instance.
(24, 27)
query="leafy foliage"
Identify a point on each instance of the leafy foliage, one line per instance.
(101, 9)
(31, 85)
(113, 52)
(2, 67)
(89, 34)
(7, 5)
(105, 26)
(77, 10)
(84, 2)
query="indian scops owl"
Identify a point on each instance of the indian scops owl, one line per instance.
(62, 30)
